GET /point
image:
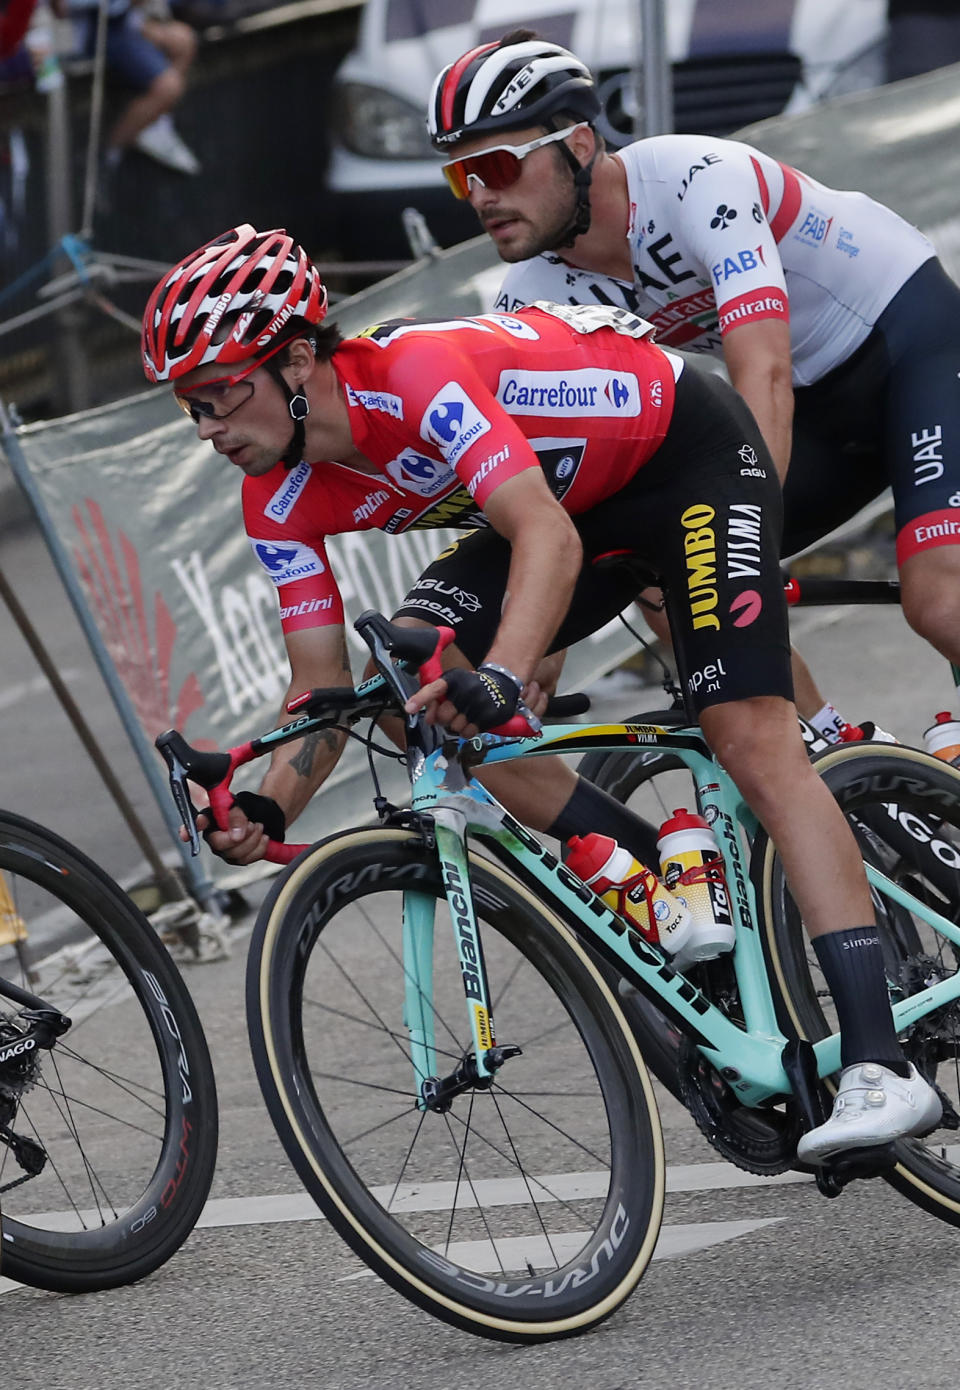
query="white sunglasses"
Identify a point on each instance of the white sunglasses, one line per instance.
(499, 166)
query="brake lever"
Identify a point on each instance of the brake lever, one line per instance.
(181, 796)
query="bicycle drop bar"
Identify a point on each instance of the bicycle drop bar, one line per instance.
(824, 589)
(395, 650)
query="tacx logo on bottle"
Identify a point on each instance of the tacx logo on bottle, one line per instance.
(286, 562)
(281, 503)
(417, 473)
(587, 391)
(452, 422)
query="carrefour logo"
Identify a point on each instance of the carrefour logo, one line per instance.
(416, 473)
(287, 562)
(617, 393)
(588, 391)
(452, 422)
(281, 503)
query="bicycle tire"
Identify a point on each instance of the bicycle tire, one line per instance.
(334, 888)
(905, 809)
(130, 1083)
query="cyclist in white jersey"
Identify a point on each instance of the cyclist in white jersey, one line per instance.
(835, 320)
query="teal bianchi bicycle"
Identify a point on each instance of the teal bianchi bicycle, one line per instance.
(449, 1027)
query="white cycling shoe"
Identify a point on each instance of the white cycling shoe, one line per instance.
(873, 1106)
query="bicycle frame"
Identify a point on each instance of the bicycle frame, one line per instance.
(751, 1060)
(449, 806)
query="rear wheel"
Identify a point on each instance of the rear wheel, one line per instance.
(904, 808)
(121, 1113)
(528, 1209)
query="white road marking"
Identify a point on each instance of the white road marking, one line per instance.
(512, 1256)
(38, 685)
(412, 1197)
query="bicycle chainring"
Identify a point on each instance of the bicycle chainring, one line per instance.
(759, 1141)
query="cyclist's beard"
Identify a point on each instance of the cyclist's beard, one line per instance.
(528, 236)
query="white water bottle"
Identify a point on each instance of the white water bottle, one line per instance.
(692, 865)
(942, 739)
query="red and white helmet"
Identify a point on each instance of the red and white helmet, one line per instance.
(508, 86)
(229, 301)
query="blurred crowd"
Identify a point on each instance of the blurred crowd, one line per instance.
(149, 49)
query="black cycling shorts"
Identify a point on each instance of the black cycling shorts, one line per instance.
(888, 416)
(704, 514)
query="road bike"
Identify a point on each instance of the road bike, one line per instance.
(108, 1111)
(442, 1045)
(654, 780)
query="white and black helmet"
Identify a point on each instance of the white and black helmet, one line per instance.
(506, 86)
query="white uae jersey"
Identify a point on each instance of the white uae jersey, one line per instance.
(721, 234)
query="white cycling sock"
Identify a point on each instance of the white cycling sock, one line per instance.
(828, 722)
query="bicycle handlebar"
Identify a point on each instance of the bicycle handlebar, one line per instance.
(321, 708)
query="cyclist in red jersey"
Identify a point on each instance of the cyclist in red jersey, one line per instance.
(428, 425)
(833, 316)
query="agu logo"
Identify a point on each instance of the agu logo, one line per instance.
(284, 563)
(616, 393)
(452, 422)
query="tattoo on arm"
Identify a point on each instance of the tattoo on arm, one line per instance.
(302, 761)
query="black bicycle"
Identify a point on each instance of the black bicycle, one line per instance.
(108, 1109)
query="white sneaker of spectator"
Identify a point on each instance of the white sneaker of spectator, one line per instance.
(162, 142)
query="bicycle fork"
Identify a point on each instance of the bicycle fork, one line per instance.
(481, 1061)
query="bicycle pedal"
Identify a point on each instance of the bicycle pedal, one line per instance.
(870, 1162)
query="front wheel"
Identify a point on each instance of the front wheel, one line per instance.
(529, 1209)
(904, 809)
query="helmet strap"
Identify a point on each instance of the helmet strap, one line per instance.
(299, 408)
(582, 176)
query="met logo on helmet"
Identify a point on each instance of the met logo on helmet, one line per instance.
(452, 422)
(286, 562)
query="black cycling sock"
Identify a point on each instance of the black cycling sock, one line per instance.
(852, 963)
(589, 808)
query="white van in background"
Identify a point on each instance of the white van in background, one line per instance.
(734, 62)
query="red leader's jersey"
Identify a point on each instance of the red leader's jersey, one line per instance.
(447, 411)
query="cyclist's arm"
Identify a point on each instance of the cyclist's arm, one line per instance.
(545, 559)
(318, 657)
(757, 356)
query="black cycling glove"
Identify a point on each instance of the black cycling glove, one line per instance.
(262, 810)
(486, 697)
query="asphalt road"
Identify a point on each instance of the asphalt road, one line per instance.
(758, 1285)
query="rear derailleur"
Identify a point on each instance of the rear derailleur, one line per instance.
(21, 1041)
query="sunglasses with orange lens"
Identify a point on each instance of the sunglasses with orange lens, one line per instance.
(498, 167)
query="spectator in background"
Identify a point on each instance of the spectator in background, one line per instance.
(923, 34)
(15, 64)
(151, 53)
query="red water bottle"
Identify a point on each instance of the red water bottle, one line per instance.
(631, 889)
